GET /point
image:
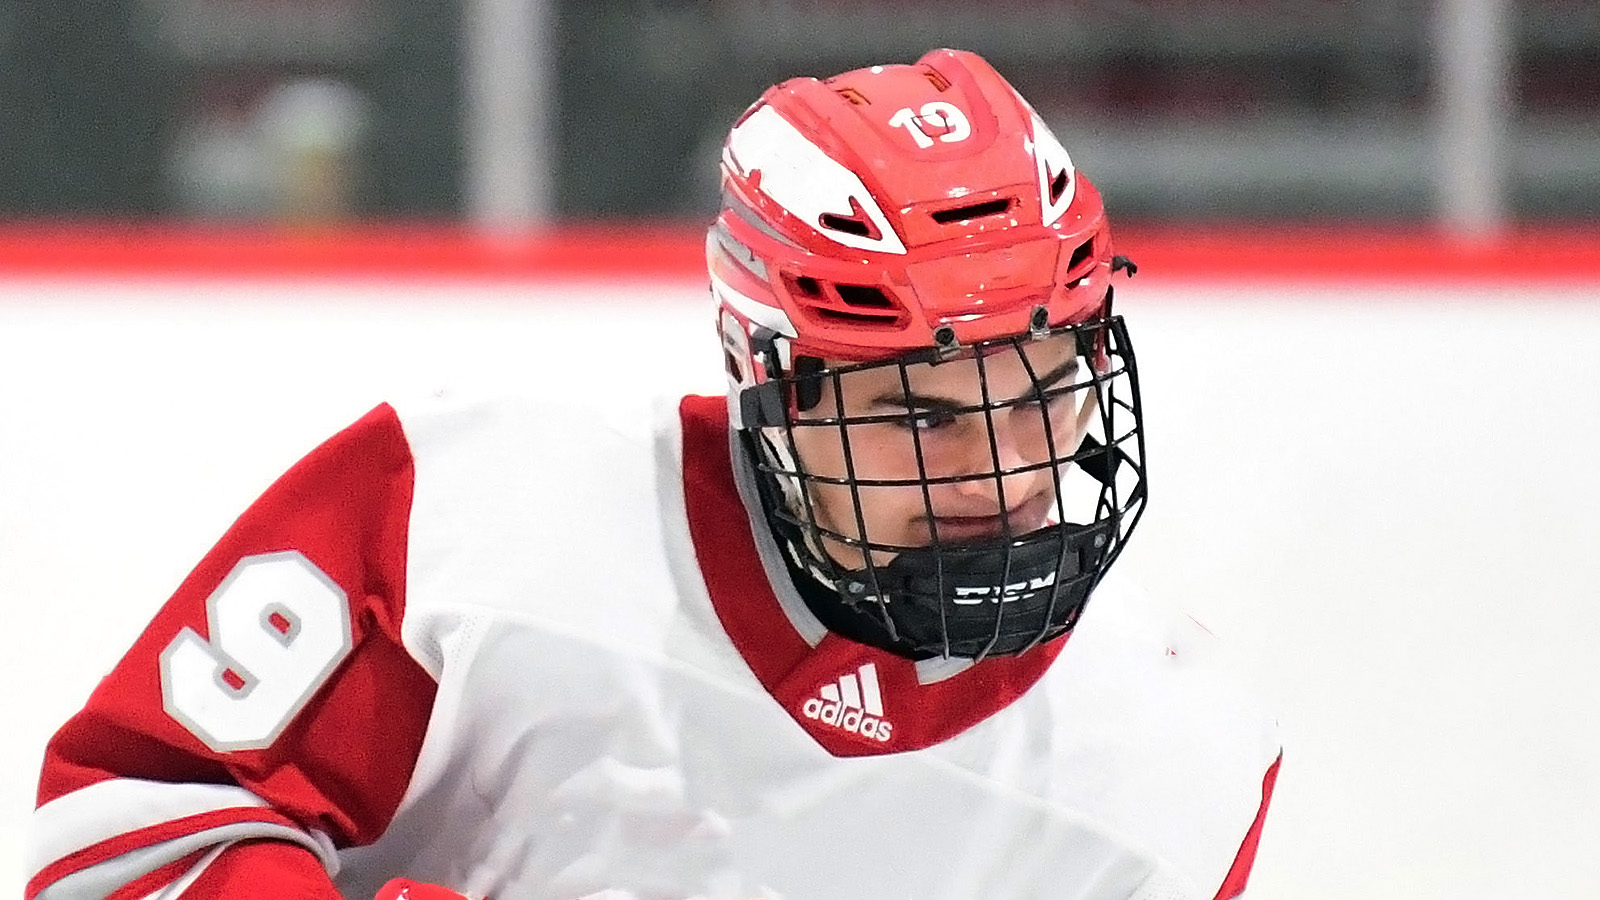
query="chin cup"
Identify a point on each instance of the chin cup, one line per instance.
(983, 600)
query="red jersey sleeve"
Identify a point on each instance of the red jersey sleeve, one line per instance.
(268, 715)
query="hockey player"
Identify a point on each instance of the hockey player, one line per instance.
(829, 637)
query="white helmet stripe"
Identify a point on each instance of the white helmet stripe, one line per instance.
(1052, 159)
(754, 310)
(805, 180)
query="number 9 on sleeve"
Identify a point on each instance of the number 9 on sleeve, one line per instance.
(279, 626)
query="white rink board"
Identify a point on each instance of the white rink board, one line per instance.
(1384, 500)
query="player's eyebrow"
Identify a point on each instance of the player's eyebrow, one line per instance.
(950, 404)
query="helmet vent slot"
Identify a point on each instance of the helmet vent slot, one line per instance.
(1058, 185)
(939, 82)
(854, 96)
(846, 224)
(972, 211)
(864, 295)
(855, 318)
(1085, 251)
(854, 305)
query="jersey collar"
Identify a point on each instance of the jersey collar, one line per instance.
(853, 699)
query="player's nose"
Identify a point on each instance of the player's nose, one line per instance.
(1004, 470)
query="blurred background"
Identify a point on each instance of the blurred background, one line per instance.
(1474, 113)
(1366, 317)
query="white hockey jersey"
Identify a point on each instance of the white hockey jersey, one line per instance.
(528, 653)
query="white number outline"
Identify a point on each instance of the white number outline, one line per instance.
(935, 112)
(225, 717)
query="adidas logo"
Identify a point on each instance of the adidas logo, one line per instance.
(854, 703)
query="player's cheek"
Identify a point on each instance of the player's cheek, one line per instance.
(876, 451)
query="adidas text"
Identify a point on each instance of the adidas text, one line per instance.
(853, 703)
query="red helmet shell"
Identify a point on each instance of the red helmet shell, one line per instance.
(864, 212)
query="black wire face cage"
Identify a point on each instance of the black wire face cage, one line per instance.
(962, 501)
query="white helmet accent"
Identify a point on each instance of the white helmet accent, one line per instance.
(1054, 162)
(805, 180)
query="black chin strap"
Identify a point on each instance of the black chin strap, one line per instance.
(860, 622)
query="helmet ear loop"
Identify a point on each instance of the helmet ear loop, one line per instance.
(1100, 405)
(803, 391)
(787, 471)
(794, 479)
(1109, 506)
(1116, 456)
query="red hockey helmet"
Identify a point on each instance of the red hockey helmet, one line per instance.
(864, 212)
(901, 215)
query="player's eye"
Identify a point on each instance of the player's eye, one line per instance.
(1034, 399)
(1063, 393)
(929, 419)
